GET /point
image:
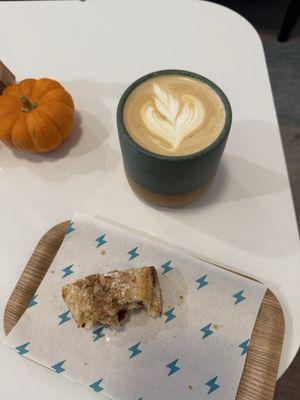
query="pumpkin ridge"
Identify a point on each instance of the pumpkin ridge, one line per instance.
(31, 88)
(58, 94)
(19, 135)
(36, 138)
(14, 112)
(51, 121)
(58, 101)
(6, 116)
(49, 91)
(9, 96)
(29, 132)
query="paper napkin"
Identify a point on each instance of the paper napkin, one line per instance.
(197, 348)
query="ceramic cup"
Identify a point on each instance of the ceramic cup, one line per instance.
(165, 180)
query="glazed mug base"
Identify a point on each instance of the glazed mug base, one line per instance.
(169, 200)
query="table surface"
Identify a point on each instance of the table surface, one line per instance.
(96, 48)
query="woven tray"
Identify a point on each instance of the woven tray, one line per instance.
(261, 366)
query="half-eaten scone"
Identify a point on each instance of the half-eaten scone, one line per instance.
(106, 298)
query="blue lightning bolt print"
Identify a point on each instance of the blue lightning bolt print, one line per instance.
(97, 333)
(64, 317)
(133, 253)
(22, 349)
(239, 296)
(206, 331)
(202, 281)
(166, 267)
(32, 302)
(169, 314)
(96, 386)
(58, 368)
(244, 346)
(101, 241)
(135, 350)
(69, 228)
(67, 270)
(173, 367)
(212, 385)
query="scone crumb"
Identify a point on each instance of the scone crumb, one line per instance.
(106, 298)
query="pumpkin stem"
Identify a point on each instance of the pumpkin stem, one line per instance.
(27, 105)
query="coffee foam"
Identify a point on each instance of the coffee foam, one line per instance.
(174, 115)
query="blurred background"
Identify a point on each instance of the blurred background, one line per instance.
(277, 22)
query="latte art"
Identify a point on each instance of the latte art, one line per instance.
(172, 119)
(174, 115)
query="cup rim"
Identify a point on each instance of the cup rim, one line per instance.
(223, 135)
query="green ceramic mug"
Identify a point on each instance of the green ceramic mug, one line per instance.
(166, 180)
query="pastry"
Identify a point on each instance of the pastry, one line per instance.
(106, 298)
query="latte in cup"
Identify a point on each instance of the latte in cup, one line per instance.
(173, 126)
(174, 115)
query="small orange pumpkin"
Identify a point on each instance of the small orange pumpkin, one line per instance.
(36, 115)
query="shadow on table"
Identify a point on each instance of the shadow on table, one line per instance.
(243, 225)
(237, 178)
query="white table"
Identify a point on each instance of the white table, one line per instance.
(96, 48)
